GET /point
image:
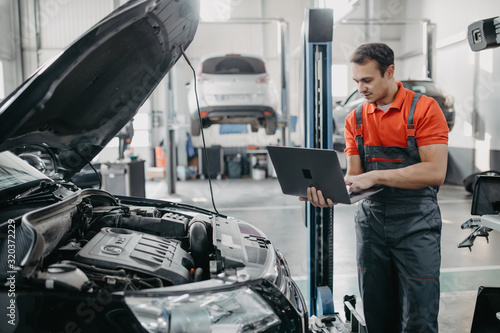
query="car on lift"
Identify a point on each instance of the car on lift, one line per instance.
(233, 89)
(84, 260)
(426, 87)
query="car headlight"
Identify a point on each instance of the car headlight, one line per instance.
(236, 310)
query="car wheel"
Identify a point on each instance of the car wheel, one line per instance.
(271, 126)
(254, 128)
(195, 127)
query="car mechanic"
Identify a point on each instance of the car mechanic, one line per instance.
(397, 139)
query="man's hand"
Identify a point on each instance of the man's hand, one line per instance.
(316, 198)
(359, 182)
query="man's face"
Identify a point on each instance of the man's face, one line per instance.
(371, 84)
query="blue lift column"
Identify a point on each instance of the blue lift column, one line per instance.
(318, 30)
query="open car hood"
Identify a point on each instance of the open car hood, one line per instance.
(73, 106)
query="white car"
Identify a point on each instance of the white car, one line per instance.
(234, 89)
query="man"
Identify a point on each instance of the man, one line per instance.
(398, 230)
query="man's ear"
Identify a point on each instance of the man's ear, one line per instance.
(390, 72)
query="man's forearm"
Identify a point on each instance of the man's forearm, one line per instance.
(412, 177)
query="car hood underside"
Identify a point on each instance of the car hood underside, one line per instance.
(73, 106)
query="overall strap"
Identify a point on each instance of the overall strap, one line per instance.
(359, 132)
(410, 128)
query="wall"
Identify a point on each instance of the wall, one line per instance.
(474, 143)
(9, 47)
(473, 79)
(61, 21)
(258, 38)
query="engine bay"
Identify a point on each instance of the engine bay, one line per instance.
(89, 243)
(92, 240)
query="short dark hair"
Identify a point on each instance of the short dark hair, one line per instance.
(380, 52)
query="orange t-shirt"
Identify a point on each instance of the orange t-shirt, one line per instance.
(389, 128)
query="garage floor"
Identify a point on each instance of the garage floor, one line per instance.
(281, 218)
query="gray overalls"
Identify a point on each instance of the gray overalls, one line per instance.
(398, 235)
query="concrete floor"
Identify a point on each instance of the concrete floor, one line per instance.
(281, 218)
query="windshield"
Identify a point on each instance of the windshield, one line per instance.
(353, 97)
(234, 65)
(14, 171)
(423, 87)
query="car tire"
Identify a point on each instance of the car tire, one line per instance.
(254, 128)
(195, 127)
(271, 126)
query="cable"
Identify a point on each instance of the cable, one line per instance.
(94, 169)
(98, 175)
(205, 160)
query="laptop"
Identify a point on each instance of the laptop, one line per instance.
(299, 168)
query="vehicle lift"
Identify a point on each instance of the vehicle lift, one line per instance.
(318, 37)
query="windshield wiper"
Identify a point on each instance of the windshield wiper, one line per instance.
(42, 191)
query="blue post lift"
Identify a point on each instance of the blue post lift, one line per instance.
(318, 37)
(318, 134)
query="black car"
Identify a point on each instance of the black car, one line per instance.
(426, 87)
(83, 260)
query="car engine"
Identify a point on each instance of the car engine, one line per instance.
(125, 250)
(91, 239)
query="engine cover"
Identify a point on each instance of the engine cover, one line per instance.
(117, 248)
